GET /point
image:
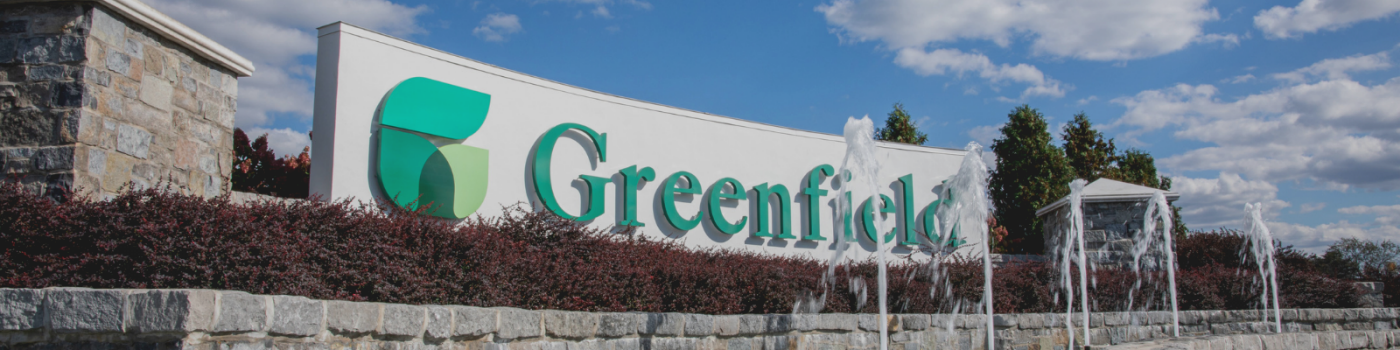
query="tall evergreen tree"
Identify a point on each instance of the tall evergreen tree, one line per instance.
(1031, 172)
(900, 128)
(1088, 154)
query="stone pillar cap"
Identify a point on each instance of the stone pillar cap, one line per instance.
(173, 30)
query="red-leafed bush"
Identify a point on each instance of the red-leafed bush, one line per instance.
(157, 239)
(257, 169)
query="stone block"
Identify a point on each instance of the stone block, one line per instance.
(85, 310)
(1004, 320)
(625, 344)
(697, 325)
(241, 312)
(591, 344)
(118, 62)
(673, 344)
(474, 321)
(777, 323)
(171, 310)
(21, 309)
(805, 322)
(613, 325)
(96, 161)
(517, 323)
(1114, 318)
(838, 322)
(403, 320)
(296, 316)
(727, 325)
(50, 49)
(439, 325)
(568, 324)
(28, 127)
(209, 164)
(665, 324)
(156, 92)
(1246, 342)
(914, 322)
(133, 141)
(41, 73)
(53, 158)
(348, 317)
(97, 76)
(107, 28)
(66, 94)
(741, 344)
(752, 324)
(779, 342)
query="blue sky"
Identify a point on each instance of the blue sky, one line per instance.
(1292, 104)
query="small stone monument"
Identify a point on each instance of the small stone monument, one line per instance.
(97, 94)
(1113, 214)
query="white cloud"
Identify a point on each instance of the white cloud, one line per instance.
(1337, 132)
(1103, 30)
(1212, 203)
(274, 35)
(1313, 15)
(1226, 40)
(1239, 79)
(1311, 207)
(1087, 100)
(1385, 214)
(495, 27)
(944, 61)
(284, 141)
(1337, 68)
(1315, 239)
(1208, 204)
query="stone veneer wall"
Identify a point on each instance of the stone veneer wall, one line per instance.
(208, 319)
(92, 100)
(1109, 228)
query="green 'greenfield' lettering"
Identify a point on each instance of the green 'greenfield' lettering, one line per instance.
(630, 178)
(867, 217)
(669, 189)
(717, 194)
(762, 194)
(540, 161)
(906, 188)
(814, 194)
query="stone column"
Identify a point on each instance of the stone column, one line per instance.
(98, 96)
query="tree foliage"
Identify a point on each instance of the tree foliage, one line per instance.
(1031, 172)
(257, 169)
(1088, 154)
(1354, 255)
(1138, 167)
(899, 127)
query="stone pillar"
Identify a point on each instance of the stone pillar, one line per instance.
(98, 96)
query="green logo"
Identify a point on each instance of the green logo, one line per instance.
(450, 180)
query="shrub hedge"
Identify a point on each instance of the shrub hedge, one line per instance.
(161, 239)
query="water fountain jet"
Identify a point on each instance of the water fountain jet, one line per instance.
(1261, 248)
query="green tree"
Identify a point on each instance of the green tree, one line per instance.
(1031, 172)
(1366, 254)
(1138, 167)
(1086, 151)
(900, 128)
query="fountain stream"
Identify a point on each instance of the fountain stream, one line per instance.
(1261, 247)
(1158, 210)
(860, 169)
(1074, 246)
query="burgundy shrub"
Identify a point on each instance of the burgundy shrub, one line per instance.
(348, 251)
